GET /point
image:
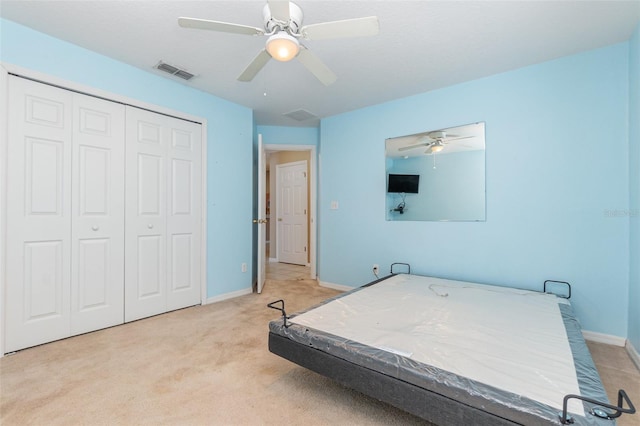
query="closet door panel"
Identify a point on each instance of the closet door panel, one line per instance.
(93, 255)
(44, 177)
(97, 282)
(150, 267)
(184, 219)
(38, 222)
(43, 280)
(145, 236)
(150, 186)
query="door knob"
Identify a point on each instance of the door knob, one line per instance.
(279, 219)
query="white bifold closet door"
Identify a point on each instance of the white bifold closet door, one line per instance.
(65, 227)
(163, 214)
(104, 214)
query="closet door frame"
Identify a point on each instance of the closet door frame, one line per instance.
(5, 70)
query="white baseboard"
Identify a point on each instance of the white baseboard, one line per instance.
(633, 354)
(227, 296)
(607, 339)
(273, 259)
(335, 286)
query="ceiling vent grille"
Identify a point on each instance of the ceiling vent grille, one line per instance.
(170, 69)
(300, 115)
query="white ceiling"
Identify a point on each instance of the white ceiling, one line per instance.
(422, 45)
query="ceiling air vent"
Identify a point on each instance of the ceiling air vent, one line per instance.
(183, 74)
(300, 115)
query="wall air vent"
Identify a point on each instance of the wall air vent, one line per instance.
(300, 115)
(170, 69)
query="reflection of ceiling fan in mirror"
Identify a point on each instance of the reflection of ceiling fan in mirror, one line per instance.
(434, 141)
(283, 26)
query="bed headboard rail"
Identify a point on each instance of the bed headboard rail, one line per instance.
(281, 309)
(406, 265)
(555, 284)
(598, 411)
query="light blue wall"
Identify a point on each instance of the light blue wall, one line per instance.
(556, 175)
(280, 135)
(229, 137)
(634, 183)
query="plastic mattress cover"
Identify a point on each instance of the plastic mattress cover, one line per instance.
(513, 353)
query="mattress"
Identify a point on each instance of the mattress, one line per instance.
(492, 352)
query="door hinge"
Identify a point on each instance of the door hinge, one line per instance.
(305, 249)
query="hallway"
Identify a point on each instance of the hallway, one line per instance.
(286, 271)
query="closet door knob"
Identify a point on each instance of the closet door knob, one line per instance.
(150, 226)
(95, 227)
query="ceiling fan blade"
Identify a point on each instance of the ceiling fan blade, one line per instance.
(358, 27)
(458, 138)
(279, 10)
(406, 148)
(255, 66)
(316, 66)
(224, 27)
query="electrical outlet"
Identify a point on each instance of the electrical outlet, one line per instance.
(243, 267)
(376, 269)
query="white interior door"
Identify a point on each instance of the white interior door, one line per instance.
(38, 222)
(291, 227)
(184, 213)
(146, 217)
(261, 221)
(97, 254)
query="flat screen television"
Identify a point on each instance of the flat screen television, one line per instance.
(407, 184)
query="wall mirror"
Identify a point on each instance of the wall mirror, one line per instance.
(437, 175)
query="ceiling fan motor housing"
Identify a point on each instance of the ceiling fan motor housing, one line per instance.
(438, 134)
(293, 26)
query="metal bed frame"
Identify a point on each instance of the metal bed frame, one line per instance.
(431, 397)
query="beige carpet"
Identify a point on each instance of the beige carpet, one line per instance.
(203, 365)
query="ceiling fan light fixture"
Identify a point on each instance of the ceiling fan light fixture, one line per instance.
(436, 148)
(282, 46)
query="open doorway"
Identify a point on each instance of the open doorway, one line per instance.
(283, 238)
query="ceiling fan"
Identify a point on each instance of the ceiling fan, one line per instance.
(283, 26)
(434, 141)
